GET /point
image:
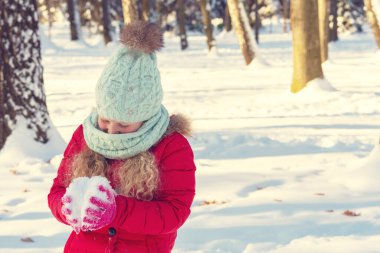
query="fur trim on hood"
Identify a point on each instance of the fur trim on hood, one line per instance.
(179, 123)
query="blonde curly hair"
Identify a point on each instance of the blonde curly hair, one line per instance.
(136, 177)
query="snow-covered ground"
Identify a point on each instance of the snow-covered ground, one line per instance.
(276, 172)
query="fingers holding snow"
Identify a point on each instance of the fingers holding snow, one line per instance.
(86, 200)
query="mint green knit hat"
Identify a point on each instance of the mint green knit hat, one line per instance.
(129, 89)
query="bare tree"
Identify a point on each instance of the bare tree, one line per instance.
(306, 43)
(129, 11)
(145, 9)
(50, 16)
(333, 21)
(227, 20)
(323, 16)
(74, 26)
(205, 9)
(180, 12)
(106, 22)
(285, 15)
(257, 21)
(373, 21)
(159, 7)
(21, 73)
(240, 24)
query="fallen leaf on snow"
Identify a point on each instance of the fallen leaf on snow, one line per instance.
(13, 171)
(212, 202)
(26, 239)
(351, 213)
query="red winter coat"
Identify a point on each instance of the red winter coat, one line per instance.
(139, 226)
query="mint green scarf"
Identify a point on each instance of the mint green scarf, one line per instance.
(122, 146)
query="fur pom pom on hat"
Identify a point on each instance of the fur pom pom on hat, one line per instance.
(129, 89)
(142, 36)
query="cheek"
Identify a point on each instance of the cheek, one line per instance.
(130, 129)
(136, 127)
(101, 124)
(126, 130)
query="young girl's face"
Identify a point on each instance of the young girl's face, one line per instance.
(115, 127)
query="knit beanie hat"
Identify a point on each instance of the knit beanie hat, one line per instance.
(129, 89)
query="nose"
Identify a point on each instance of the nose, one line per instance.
(112, 129)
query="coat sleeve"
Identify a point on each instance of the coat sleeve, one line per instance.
(170, 210)
(58, 188)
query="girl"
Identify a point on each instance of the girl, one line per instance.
(129, 161)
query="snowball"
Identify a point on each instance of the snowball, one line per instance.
(82, 189)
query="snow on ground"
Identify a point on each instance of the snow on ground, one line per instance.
(276, 172)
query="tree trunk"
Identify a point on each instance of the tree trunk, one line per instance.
(257, 21)
(227, 20)
(248, 6)
(146, 10)
(159, 12)
(285, 15)
(306, 43)
(207, 24)
(50, 16)
(181, 23)
(373, 21)
(129, 11)
(333, 27)
(243, 31)
(71, 6)
(21, 81)
(106, 22)
(323, 16)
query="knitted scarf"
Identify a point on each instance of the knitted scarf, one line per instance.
(122, 146)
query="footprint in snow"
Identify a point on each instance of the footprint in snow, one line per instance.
(258, 186)
(15, 202)
(35, 179)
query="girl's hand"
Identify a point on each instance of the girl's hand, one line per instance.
(67, 211)
(100, 208)
(89, 203)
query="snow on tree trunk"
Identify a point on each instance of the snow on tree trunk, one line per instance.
(181, 23)
(376, 9)
(306, 43)
(323, 15)
(129, 11)
(373, 21)
(25, 126)
(21, 81)
(72, 10)
(242, 29)
(333, 21)
(106, 22)
(205, 9)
